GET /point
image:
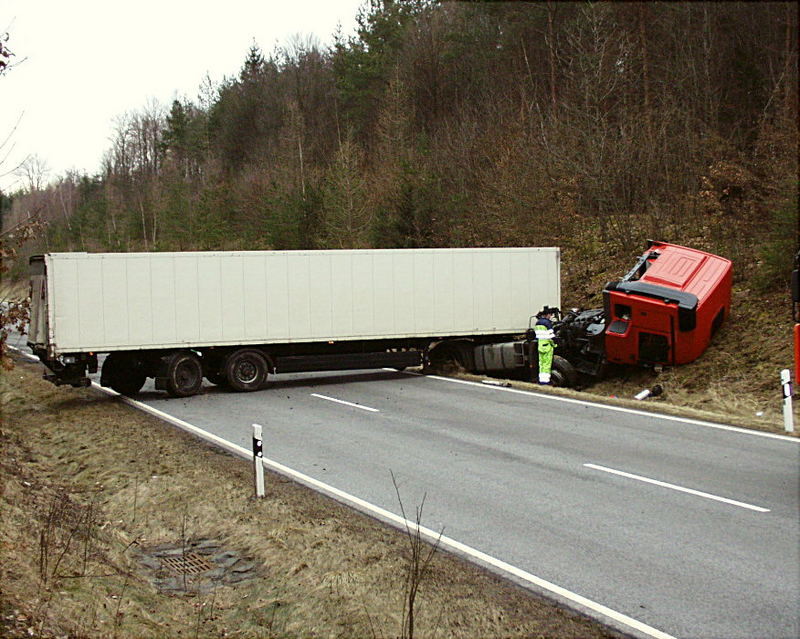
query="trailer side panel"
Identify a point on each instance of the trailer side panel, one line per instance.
(127, 301)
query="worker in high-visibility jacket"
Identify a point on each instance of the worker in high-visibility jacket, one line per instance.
(544, 338)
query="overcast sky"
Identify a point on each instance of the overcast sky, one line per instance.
(82, 63)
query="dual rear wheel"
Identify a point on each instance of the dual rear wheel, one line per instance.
(243, 370)
(126, 373)
(246, 370)
(182, 372)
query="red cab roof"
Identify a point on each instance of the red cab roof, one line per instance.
(685, 269)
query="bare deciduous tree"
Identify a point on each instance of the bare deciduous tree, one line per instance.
(33, 171)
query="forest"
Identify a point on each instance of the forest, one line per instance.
(586, 125)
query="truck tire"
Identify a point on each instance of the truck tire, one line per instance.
(562, 373)
(246, 370)
(184, 374)
(123, 373)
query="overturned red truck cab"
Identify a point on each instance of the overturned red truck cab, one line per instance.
(664, 311)
(668, 307)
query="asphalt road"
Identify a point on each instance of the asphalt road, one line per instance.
(690, 529)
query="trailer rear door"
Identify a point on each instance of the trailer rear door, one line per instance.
(37, 330)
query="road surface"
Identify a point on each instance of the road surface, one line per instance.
(691, 529)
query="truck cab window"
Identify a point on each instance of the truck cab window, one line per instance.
(618, 327)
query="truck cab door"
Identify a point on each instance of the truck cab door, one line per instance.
(654, 348)
(639, 333)
(655, 337)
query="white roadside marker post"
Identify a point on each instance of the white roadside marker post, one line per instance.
(788, 417)
(258, 455)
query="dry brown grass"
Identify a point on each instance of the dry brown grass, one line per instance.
(737, 380)
(86, 480)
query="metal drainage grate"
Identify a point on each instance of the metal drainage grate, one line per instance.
(187, 564)
(194, 566)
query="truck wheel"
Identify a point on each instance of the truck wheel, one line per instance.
(246, 370)
(562, 373)
(184, 374)
(123, 373)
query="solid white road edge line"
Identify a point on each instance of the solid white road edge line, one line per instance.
(690, 491)
(341, 401)
(396, 520)
(619, 409)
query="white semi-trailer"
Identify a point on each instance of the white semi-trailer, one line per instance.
(237, 317)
